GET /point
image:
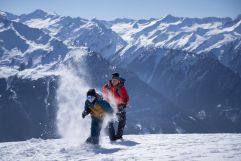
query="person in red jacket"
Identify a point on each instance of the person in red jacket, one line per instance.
(116, 94)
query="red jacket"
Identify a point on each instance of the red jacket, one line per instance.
(119, 93)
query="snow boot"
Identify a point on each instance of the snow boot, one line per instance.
(92, 140)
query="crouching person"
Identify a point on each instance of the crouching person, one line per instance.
(97, 108)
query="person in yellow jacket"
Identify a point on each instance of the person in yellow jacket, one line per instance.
(98, 109)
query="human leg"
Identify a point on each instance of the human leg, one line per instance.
(95, 131)
(121, 124)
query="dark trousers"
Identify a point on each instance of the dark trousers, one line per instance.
(111, 130)
(95, 129)
(121, 115)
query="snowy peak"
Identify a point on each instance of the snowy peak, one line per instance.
(170, 19)
(198, 35)
(238, 18)
(21, 44)
(8, 15)
(39, 14)
(118, 36)
(77, 32)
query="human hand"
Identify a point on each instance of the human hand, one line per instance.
(83, 115)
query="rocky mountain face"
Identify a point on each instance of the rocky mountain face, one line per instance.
(198, 84)
(27, 108)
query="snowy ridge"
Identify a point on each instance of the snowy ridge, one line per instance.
(133, 147)
(31, 53)
(76, 31)
(191, 35)
(28, 46)
(122, 40)
(179, 33)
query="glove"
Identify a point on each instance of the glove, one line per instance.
(83, 115)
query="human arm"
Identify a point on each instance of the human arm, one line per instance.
(86, 110)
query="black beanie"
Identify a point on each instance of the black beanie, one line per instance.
(116, 76)
(91, 92)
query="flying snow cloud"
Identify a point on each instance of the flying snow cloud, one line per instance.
(71, 96)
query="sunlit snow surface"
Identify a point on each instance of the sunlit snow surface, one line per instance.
(212, 147)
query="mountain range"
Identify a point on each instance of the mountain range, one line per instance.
(183, 74)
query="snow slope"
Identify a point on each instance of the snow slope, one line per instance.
(213, 147)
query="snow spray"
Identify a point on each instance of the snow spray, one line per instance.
(71, 96)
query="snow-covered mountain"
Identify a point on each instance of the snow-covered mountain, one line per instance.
(221, 36)
(31, 72)
(75, 31)
(200, 85)
(193, 62)
(134, 147)
(179, 33)
(126, 37)
(21, 44)
(122, 40)
(181, 72)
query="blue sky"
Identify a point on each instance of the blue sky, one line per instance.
(136, 9)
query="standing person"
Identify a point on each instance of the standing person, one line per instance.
(98, 108)
(115, 93)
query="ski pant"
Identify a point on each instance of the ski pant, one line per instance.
(111, 130)
(121, 115)
(96, 125)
